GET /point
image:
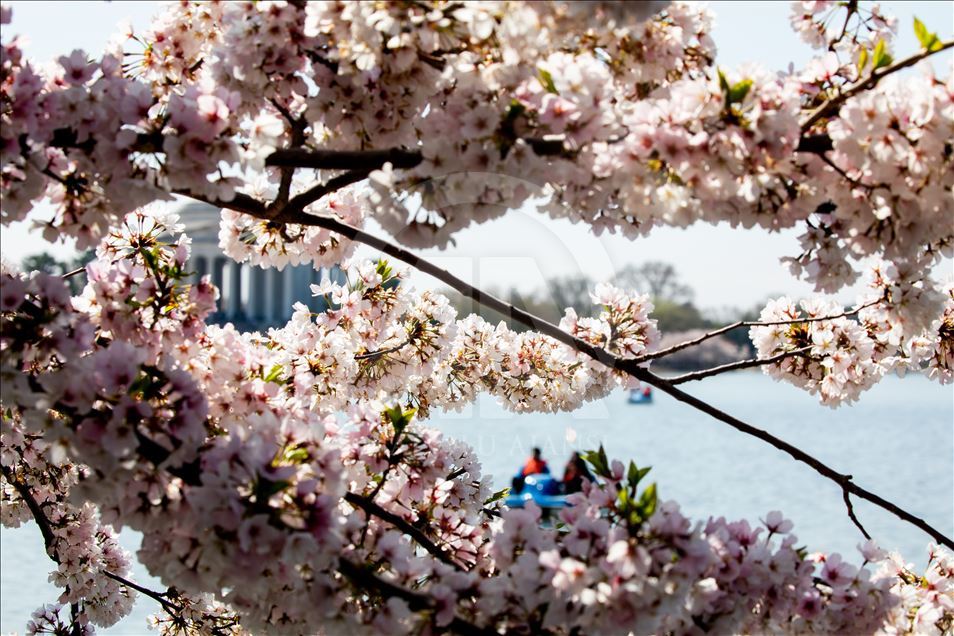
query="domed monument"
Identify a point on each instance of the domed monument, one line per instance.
(251, 298)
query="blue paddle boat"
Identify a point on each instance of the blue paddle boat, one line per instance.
(542, 489)
(641, 396)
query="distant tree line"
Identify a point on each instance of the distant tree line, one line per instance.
(49, 264)
(677, 315)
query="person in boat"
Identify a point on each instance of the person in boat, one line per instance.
(536, 464)
(533, 466)
(575, 474)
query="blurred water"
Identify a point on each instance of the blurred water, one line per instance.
(898, 441)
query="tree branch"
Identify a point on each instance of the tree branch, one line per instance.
(400, 158)
(344, 159)
(747, 323)
(367, 580)
(851, 511)
(632, 366)
(372, 508)
(831, 105)
(160, 597)
(372, 355)
(733, 366)
(191, 474)
(300, 201)
(49, 540)
(815, 144)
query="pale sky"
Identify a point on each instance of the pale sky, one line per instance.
(725, 267)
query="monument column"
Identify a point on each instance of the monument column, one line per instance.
(289, 295)
(199, 266)
(233, 298)
(277, 295)
(258, 300)
(218, 279)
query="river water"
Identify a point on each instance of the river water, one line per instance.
(898, 441)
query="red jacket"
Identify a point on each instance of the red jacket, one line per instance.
(534, 466)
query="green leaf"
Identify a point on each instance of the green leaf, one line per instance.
(647, 501)
(514, 110)
(399, 419)
(880, 57)
(738, 92)
(862, 60)
(384, 269)
(929, 41)
(625, 502)
(274, 374)
(497, 496)
(723, 82)
(265, 488)
(294, 455)
(597, 459)
(546, 79)
(632, 473)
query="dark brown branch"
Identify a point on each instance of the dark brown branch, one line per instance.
(416, 601)
(160, 597)
(399, 158)
(344, 159)
(851, 511)
(734, 366)
(299, 202)
(831, 106)
(240, 203)
(844, 481)
(49, 540)
(191, 474)
(372, 508)
(815, 144)
(600, 355)
(748, 323)
(844, 175)
(297, 127)
(371, 355)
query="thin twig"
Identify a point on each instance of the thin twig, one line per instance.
(851, 510)
(734, 366)
(75, 272)
(748, 323)
(832, 104)
(371, 355)
(844, 175)
(600, 355)
(160, 597)
(297, 126)
(300, 201)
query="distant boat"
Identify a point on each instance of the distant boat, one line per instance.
(542, 489)
(641, 396)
